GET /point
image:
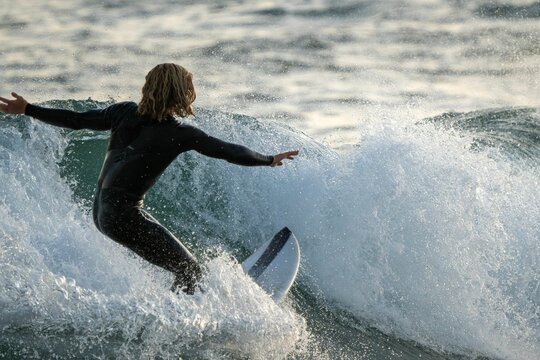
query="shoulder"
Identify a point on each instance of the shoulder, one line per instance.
(188, 129)
(189, 135)
(121, 109)
(117, 113)
(124, 105)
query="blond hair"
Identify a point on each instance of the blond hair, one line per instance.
(168, 91)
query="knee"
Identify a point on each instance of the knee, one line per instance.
(109, 226)
(95, 216)
(105, 224)
(107, 221)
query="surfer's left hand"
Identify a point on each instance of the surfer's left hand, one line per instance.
(278, 159)
(17, 106)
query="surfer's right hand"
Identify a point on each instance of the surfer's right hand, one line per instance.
(278, 159)
(17, 106)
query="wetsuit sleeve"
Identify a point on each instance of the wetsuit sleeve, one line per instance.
(93, 119)
(233, 153)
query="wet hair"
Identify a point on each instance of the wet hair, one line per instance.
(168, 91)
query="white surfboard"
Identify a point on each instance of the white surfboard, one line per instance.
(274, 265)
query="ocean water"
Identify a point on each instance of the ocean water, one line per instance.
(415, 198)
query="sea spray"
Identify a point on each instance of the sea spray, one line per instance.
(68, 291)
(413, 230)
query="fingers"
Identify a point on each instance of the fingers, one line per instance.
(4, 103)
(18, 97)
(10, 106)
(15, 95)
(291, 154)
(278, 159)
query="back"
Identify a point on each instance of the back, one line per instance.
(140, 149)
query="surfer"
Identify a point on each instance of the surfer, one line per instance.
(145, 139)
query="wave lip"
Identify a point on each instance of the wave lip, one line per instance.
(515, 132)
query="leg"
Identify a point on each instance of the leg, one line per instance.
(183, 264)
(141, 233)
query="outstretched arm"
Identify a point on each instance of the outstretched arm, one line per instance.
(234, 153)
(93, 119)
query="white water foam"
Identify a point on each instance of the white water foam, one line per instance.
(410, 230)
(78, 294)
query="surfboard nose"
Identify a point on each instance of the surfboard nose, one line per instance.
(274, 265)
(284, 232)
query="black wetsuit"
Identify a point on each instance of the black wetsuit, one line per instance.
(140, 149)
